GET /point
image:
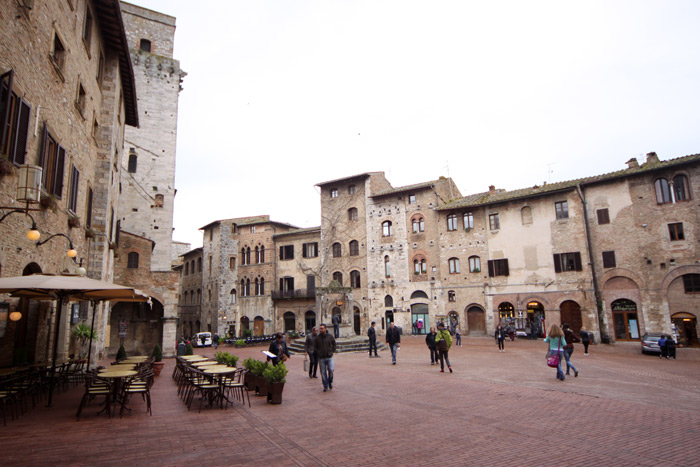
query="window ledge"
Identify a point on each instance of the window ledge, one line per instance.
(57, 68)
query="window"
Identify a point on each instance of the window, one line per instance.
(474, 264)
(210, 265)
(287, 252)
(132, 261)
(245, 287)
(411, 199)
(287, 284)
(681, 190)
(187, 269)
(199, 264)
(354, 248)
(252, 229)
(562, 209)
(526, 215)
(87, 30)
(88, 209)
(355, 279)
(420, 266)
(494, 222)
(233, 296)
(451, 296)
(663, 191)
(351, 190)
(676, 231)
(260, 286)
(232, 262)
(387, 267)
(452, 222)
(14, 121)
(80, 100)
(145, 45)
(159, 199)
(609, 259)
(309, 250)
(498, 267)
(418, 224)
(387, 229)
(691, 282)
(603, 216)
(337, 250)
(59, 52)
(453, 264)
(260, 254)
(567, 262)
(100, 68)
(352, 214)
(133, 162)
(73, 192)
(468, 220)
(52, 160)
(338, 277)
(388, 301)
(334, 193)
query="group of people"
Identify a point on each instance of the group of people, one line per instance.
(667, 346)
(320, 347)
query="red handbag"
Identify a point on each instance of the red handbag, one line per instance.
(553, 360)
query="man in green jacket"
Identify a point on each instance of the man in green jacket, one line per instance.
(443, 342)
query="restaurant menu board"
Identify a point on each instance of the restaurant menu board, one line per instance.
(122, 329)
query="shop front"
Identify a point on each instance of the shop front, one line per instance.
(625, 319)
(686, 326)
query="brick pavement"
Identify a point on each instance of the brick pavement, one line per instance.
(496, 409)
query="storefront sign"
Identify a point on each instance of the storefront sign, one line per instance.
(122, 329)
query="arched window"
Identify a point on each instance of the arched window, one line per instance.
(451, 296)
(387, 229)
(262, 286)
(132, 261)
(337, 250)
(233, 296)
(145, 45)
(474, 264)
(387, 267)
(199, 296)
(354, 248)
(262, 255)
(257, 255)
(160, 199)
(506, 310)
(352, 214)
(681, 191)
(257, 286)
(468, 219)
(419, 294)
(388, 301)
(338, 277)
(232, 262)
(199, 264)
(247, 287)
(184, 298)
(663, 191)
(420, 266)
(454, 265)
(187, 269)
(418, 224)
(526, 215)
(452, 222)
(133, 163)
(355, 279)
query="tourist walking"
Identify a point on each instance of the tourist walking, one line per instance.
(571, 339)
(279, 348)
(393, 340)
(585, 339)
(309, 349)
(430, 342)
(324, 347)
(556, 341)
(670, 347)
(458, 336)
(500, 336)
(336, 325)
(662, 346)
(215, 341)
(443, 342)
(372, 333)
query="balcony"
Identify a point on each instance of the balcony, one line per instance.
(291, 294)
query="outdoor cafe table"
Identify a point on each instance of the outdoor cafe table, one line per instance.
(204, 363)
(117, 376)
(117, 368)
(190, 358)
(218, 370)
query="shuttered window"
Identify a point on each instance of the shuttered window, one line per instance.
(567, 262)
(603, 216)
(14, 121)
(52, 161)
(73, 194)
(609, 259)
(498, 267)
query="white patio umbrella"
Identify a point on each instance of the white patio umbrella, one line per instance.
(63, 289)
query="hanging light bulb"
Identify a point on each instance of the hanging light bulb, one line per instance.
(15, 316)
(34, 234)
(72, 253)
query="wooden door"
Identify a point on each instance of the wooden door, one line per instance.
(476, 321)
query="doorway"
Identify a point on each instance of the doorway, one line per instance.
(476, 321)
(625, 320)
(686, 325)
(310, 320)
(289, 321)
(571, 314)
(535, 315)
(259, 326)
(420, 318)
(356, 320)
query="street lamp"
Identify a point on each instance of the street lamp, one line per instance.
(71, 253)
(29, 192)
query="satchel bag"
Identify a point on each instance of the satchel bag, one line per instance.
(442, 345)
(306, 364)
(553, 360)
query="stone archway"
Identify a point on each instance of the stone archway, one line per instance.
(309, 320)
(290, 321)
(476, 321)
(571, 314)
(258, 326)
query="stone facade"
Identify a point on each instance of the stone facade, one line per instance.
(190, 294)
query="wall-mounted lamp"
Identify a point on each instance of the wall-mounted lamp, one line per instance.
(71, 253)
(15, 316)
(29, 192)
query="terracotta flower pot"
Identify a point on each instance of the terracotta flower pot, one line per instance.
(274, 393)
(157, 368)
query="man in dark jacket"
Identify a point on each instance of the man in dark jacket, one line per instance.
(309, 349)
(336, 325)
(324, 346)
(393, 340)
(430, 342)
(372, 340)
(570, 339)
(279, 348)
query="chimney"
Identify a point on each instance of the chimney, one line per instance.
(632, 163)
(652, 158)
(492, 190)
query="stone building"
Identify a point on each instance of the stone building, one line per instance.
(190, 294)
(68, 92)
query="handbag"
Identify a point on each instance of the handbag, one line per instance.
(553, 360)
(306, 364)
(442, 345)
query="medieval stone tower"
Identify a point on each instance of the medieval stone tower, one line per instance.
(148, 177)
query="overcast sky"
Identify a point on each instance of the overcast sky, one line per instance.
(281, 95)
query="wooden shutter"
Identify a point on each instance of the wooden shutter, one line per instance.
(577, 261)
(58, 179)
(506, 271)
(609, 259)
(5, 100)
(281, 252)
(603, 216)
(557, 262)
(304, 251)
(491, 269)
(42, 155)
(19, 151)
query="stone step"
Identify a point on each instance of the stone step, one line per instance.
(342, 345)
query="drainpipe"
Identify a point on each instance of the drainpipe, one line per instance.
(605, 338)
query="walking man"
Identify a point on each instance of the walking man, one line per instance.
(372, 340)
(336, 325)
(309, 348)
(324, 347)
(393, 340)
(570, 338)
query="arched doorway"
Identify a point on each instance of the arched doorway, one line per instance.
(245, 325)
(290, 321)
(686, 325)
(625, 319)
(571, 314)
(258, 326)
(535, 316)
(143, 323)
(453, 320)
(476, 321)
(419, 315)
(388, 317)
(506, 312)
(310, 320)
(356, 320)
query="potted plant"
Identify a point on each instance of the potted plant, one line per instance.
(189, 350)
(226, 358)
(254, 379)
(239, 343)
(158, 364)
(73, 221)
(83, 333)
(275, 377)
(121, 353)
(249, 379)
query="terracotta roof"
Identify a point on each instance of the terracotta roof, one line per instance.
(480, 199)
(417, 186)
(109, 16)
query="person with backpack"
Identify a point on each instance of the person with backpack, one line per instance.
(443, 342)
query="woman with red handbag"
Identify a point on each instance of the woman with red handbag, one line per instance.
(556, 341)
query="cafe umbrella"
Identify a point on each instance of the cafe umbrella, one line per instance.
(64, 288)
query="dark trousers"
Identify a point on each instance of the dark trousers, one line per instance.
(336, 331)
(585, 346)
(313, 364)
(663, 351)
(442, 355)
(501, 344)
(671, 352)
(433, 356)
(372, 345)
